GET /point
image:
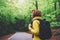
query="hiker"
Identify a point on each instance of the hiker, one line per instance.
(36, 14)
(40, 28)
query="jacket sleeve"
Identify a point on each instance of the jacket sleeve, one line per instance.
(35, 29)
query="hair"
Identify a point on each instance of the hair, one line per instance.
(36, 13)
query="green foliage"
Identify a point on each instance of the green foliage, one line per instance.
(55, 24)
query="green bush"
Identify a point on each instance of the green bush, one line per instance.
(55, 24)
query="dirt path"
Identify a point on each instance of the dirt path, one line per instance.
(55, 33)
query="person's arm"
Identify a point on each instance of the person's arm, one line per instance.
(35, 29)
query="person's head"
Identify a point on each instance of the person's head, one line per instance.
(36, 13)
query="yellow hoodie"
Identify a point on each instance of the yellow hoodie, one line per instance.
(35, 28)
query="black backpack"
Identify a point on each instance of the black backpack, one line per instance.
(45, 30)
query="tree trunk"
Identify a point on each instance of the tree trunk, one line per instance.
(55, 6)
(59, 2)
(36, 5)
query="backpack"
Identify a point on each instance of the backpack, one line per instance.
(45, 30)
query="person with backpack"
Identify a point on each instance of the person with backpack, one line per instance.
(34, 27)
(40, 28)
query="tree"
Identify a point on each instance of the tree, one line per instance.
(59, 2)
(55, 5)
(36, 4)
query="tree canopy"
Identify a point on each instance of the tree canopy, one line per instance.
(22, 9)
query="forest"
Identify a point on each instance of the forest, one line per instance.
(15, 15)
